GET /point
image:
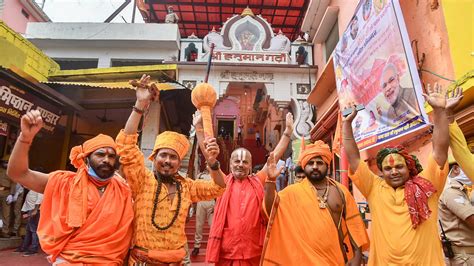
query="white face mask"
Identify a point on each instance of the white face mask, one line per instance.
(462, 178)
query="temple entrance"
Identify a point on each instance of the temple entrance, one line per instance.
(246, 108)
(225, 128)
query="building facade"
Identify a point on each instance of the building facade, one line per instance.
(17, 13)
(259, 75)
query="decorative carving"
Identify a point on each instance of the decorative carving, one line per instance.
(301, 55)
(303, 88)
(280, 43)
(193, 36)
(246, 76)
(216, 39)
(171, 17)
(190, 84)
(247, 34)
(303, 121)
(247, 12)
(191, 52)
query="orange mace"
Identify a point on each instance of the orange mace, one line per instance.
(204, 97)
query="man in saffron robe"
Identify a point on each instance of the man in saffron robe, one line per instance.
(404, 202)
(238, 228)
(315, 221)
(162, 197)
(86, 216)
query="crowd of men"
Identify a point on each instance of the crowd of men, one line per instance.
(96, 216)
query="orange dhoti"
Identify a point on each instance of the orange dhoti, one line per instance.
(300, 233)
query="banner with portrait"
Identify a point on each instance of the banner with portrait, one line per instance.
(374, 66)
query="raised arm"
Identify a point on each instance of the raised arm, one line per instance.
(348, 141)
(131, 158)
(18, 165)
(270, 183)
(146, 93)
(212, 150)
(284, 140)
(436, 97)
(457, 141)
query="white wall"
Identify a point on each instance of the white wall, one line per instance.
(106, 41)
(104, 54)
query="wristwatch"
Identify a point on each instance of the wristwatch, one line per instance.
(214, 166)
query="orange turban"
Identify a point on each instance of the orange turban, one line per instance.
(77, 201)
(78, 153)
(171, 140)
(319, 148)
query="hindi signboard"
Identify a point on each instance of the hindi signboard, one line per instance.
(374, 66)
(15, 102)
(251, 57)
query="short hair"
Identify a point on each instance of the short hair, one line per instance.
(257, 168)
(387, 67)
(299, 169)
(451, 165)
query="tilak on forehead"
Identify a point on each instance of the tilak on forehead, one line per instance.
(393, 160)
(242, 154)
(417, 189)
(398, 155)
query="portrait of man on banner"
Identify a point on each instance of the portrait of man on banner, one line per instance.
(377, 71)
(402, 100)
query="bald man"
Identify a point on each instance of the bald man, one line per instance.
(238, 228)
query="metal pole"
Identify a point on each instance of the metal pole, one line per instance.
(209, 62)
(134, 10)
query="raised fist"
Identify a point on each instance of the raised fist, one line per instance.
(31, 123)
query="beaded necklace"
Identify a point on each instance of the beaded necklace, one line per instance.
(155, 204)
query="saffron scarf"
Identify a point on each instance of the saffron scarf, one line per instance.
(417, 189)
(220, 212)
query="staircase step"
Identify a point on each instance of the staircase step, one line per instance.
(191, 236)
(191, 244)
(201, 257)
(193, 229)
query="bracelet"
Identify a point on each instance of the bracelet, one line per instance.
(347, 138)
(24, 141)
(270, 181)
(138, 110)
(286, 134)
(214, 166)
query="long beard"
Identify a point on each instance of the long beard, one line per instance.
(164, 178)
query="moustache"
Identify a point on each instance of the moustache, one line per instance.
(106, 167)
(316, 172)
(166, 164)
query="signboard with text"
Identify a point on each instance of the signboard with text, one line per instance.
(374, 66)
(15, 102)
(251, 57)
